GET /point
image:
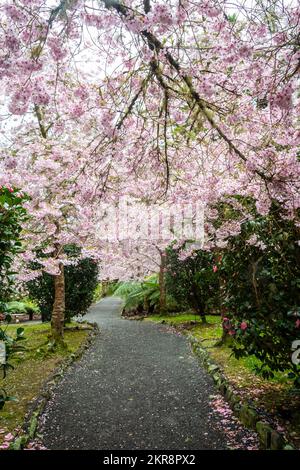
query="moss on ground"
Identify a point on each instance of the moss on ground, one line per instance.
(275, 396)
(177, 319)
(32, 368)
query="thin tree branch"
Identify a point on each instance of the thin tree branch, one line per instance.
(39, 116)
(155, 44)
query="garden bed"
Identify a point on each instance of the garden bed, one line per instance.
(33, 368)
(274, 399)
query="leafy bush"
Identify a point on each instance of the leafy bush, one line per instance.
(126, 288)
(146, 297)
(139, 296)
(12, 214)
(261, 274)
(133, 295)
(192, 281)
(142, 296)
(109, 287)
(81, 280)
(97, 292)
(12, 346)
(25, 307)
(254, 280)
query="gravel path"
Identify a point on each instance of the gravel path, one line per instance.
(137, 387)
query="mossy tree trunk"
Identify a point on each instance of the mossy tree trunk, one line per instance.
(58, 311)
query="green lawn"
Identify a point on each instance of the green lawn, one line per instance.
(177, 319)
(32, 368)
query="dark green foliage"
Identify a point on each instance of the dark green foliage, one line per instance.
(12, 346)
(143, 296)
(255, 281)
(139, 296)
(12, 214)
(81, 280)
(262, 282)
(22, 307)
(41, 289)
(109, 287)
(192, 281)
(97, 295)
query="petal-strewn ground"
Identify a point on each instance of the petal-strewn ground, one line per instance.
(138, 387)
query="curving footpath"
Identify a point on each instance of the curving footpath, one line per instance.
(137, 387)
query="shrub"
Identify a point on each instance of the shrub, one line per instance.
(12, 346)
(125, 288)
(261, 275)
(109, 287)
(142, 296)
(97, 295)
(192, 281)
(254, 279)
(81, 280)
(12, 214)
(25, 307)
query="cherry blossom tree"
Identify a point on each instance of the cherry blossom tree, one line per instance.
(58, 215)
(160, 100)
(181, 74)
(50, 162)
(137, 235)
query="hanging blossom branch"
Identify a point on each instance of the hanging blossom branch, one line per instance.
(156, 45)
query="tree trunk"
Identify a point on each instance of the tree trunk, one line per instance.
(203, 318)
(104, 288)
(200, 310)
(58, 312)
(162, 287)
(198, 306)
(146, 305)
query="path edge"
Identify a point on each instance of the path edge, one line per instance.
(31, 422)
(250, 417)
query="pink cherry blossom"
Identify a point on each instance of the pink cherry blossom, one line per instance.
(94, 108)
(5, 445)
